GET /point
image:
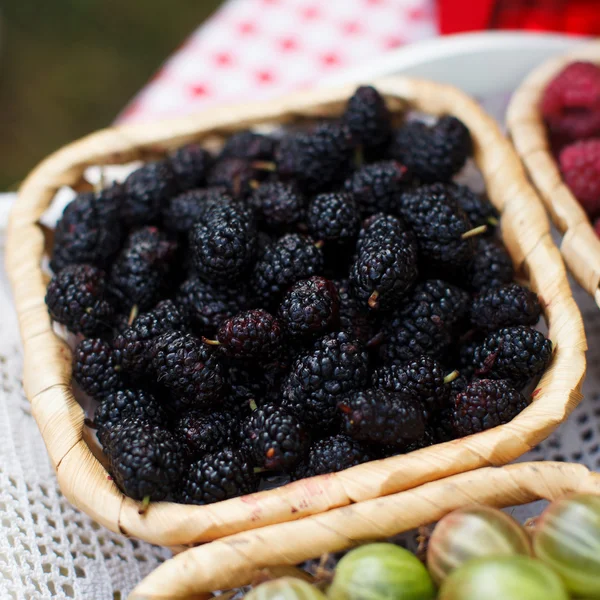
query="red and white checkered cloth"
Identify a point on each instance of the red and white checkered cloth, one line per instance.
(252, 49)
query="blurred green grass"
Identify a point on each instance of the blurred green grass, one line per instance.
(67, 67)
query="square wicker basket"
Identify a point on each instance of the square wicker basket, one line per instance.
(580, 245)
(197, 572)
(47, 370)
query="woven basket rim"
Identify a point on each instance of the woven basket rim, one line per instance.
(47, 368)
(196, 571)
(580, 245)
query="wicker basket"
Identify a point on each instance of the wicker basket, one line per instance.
(580, 244)
(197, 572)
(47, 369)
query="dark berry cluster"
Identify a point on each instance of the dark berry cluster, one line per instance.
(298, 304)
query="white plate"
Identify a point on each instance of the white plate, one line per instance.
(481, 64)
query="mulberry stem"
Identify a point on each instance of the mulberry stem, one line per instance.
(451, 376)
(473, 232)
(133, 314)
(373, 300)
(264, 165)
(359, 157)
(144, 505)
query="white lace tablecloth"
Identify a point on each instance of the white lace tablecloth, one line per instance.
(50, 550)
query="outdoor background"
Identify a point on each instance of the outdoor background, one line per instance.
(67, 67)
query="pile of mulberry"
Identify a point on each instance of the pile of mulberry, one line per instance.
(290, 304)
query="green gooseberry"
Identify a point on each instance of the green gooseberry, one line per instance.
(503, 578)
(473, 532)
(381, 572)
(567, 538)
(285, 588)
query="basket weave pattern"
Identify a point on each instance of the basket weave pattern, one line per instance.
(198, 571)
(580, 245)
(47, 368)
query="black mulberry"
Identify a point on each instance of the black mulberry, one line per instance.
(378, 187)
(479, 210)
(254, 334)
(248, 145)
(424, 378)
(184, 365)
(276, 438)
(278, 205)
(491, 264)
(203, 432)
(516, 353)
(147, 190)
(223, 244)
(183, 211)
(236, 175)
(381, 417)
(145, 460)
(386, 266)
(207, 305)
(132, 344)
(441, 227)
(76, 298)
(310, 308)
(354, 317)
(336, 365)
(139, 275)
(215, 477)
(333, 218)
(316, 159)
(125, 403)
(289, 259)
(438, 300)
(89, 230)
(333, 454)
(504, 306)
(485, 404)
(407, 338)
(434, 153)
(190, 165)
(368, 118)
(94, 368)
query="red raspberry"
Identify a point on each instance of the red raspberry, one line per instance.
(571, 102)
(580, 166)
